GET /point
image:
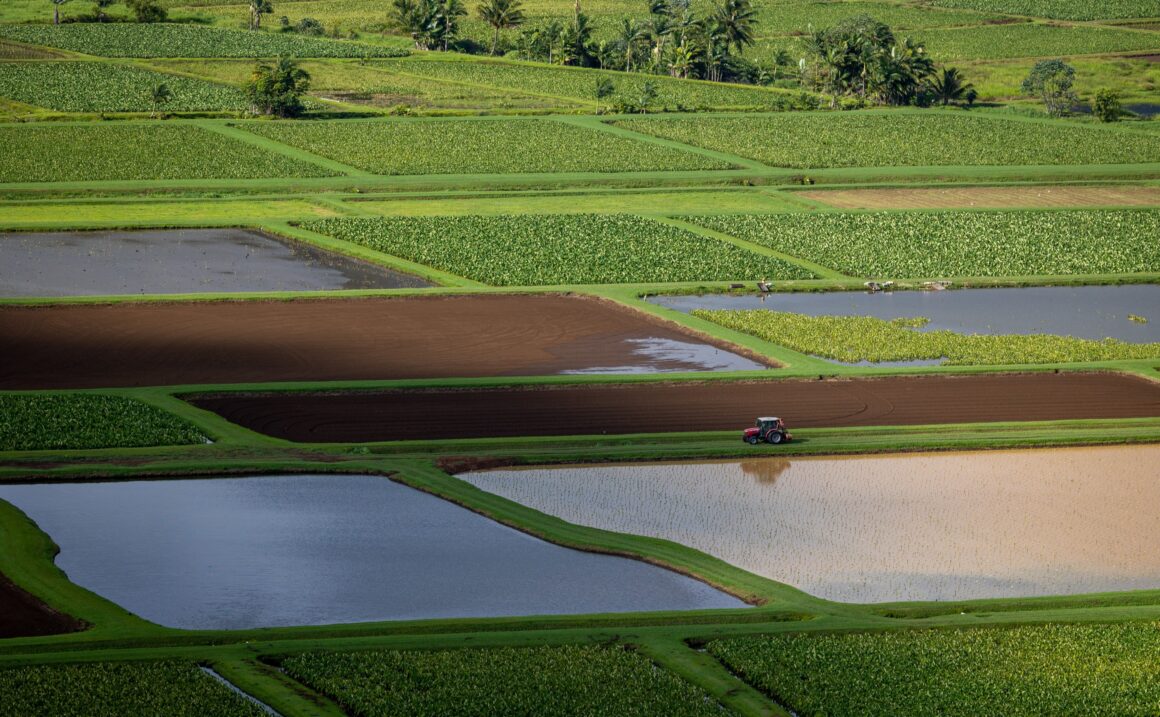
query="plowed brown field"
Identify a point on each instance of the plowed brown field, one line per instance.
(91, 346)
(989, 197)
(706, 406)
(22, 615)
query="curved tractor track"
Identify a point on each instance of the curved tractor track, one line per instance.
(705, 406)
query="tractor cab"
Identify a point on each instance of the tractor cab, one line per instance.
(770, 429)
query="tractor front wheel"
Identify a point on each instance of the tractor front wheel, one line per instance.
(751, 440)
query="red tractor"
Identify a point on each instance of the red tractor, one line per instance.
(770, 429)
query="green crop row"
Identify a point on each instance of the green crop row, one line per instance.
(498, 682)
(864, 338)
(166, 40)
(100, 87)
(80, 152)
(1062, 9)
(1033, 40)
(782, 18)
(580, 84)
(960, 243)
(82, 421)
(115, 689)
(424, 146)
(530, 250)
(1092, 670)
(885, 139)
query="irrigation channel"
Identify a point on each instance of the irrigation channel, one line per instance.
(888, 528)
(236, 553)
(178, 261)
(1090, 312)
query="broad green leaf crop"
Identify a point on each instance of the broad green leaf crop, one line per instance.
(1062, 9)
(529, 250)
(31, 422)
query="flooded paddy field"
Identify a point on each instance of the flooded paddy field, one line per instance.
(951, 526)
(1090, 312)
(685, 406)
(237, 553)
(71, 346)
(178, 261)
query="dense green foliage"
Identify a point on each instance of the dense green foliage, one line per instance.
(881, 139)
(79, 421)
(864, 338)
(958, 244)
(580, 84)
(102, 87)
(277, 89)
(115, 689)
(1033, 40)
(529, 250)
(479, 147)
(78, 152)
(501, 682)
(165, 40)
(1095, 670)
(1062, 9)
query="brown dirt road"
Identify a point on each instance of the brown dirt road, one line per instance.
(169, 343)
(704, 406)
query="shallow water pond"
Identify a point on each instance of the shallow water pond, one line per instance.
(1091, 312)
(943, 526)
(178, 261)
(235, 553)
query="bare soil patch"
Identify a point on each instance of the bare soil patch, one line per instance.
(664, 407)
(989, 197)
(138, 344)
(22, 615)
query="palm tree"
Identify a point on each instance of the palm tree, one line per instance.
(258, 8)
(949, 86)
(56, 10)
(631, 36)
(735, 19)
(158, 96)
(501, 15)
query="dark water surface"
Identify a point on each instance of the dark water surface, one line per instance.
(178, 261)
(1091, 312)
(234, 553)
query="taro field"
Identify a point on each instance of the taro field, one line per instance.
(101, 87)
(30, 422)
(960, 243)
(1105, 670)
(887, 140)
(66, 153)
(532, 250)
(112, 689)
(1062, 9)
(546, 681)
(483, 146)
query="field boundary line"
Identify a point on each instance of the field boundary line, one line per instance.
(276, 690)
(287, 150)
(479, 85)
(822, 272)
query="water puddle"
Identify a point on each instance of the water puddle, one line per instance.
(946, 526)
(672, 356)
(234, 553)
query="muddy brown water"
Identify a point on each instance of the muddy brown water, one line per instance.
(951, 526)
(707, 406)
(178, 261)
(168, 343)
(234, 553)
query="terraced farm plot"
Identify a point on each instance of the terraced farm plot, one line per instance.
(1098, 670)
(115, 213)
(479, 146)
(531, 250)
(1033, 40)
(960, 244)
(70, 153)
(81, 421)
(16, 51)
(1062, 9)
(178, 689)
(169, 40)
(168, 343)
(890, 139)
(852, 339)
(102, 87)
(784, 18)
(545, 681)
(580, 84)
(1012, 197)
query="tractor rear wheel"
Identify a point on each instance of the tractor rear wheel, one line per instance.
(774, 437)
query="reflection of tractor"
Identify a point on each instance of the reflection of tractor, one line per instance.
(770, 429)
